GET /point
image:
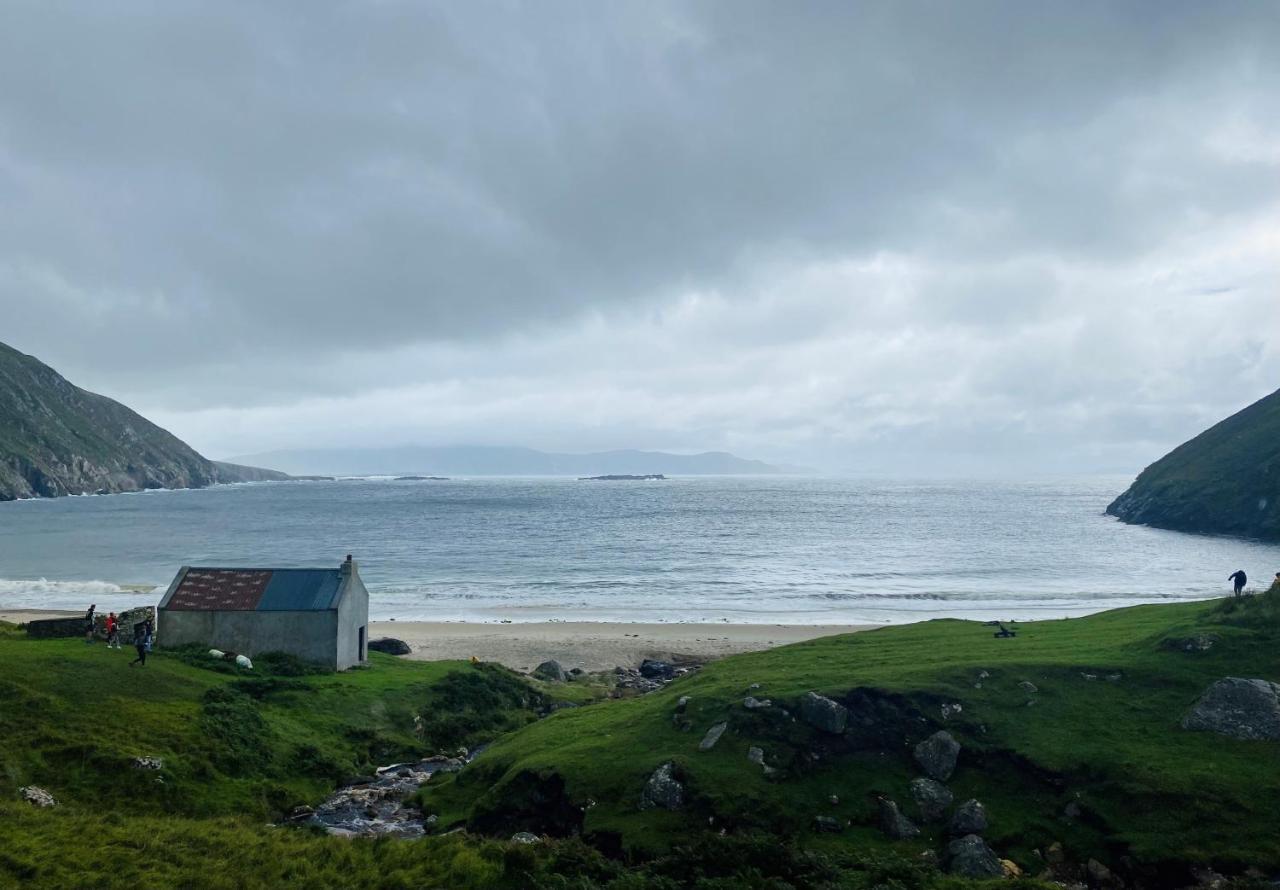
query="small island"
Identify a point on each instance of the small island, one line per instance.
(621, 478)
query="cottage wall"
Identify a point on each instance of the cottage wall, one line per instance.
(353, 616)
(308, 635)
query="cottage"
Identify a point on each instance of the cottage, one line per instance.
(320, 615)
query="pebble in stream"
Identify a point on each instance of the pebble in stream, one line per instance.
(378, 807)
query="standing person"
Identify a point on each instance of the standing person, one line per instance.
(89, 622)
(142, 643)
(1240, 579)
(113, 631)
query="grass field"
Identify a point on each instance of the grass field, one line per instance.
(239, 750)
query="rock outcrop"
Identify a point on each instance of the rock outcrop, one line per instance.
(822, 713)
(894, 824)
(390, 646)
(1242, 709)
(932, 798)
(970, 857)
(969, 818)
(663, 790)
(551, 671)
(937, 755)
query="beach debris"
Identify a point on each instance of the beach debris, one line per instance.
(932, 798)
(389, 646)
(937, 755)
(970, 857)
(894, 824)
(1239, 708)
(713, 735)
(663, 790)
(969, 818)
(822, 713)
(37, 797)
(828, 824)
(752, 703)
(147, 763)
(550, 671)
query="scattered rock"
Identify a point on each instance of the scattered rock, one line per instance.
(1054, 854)
(970, 857)
(752, 704)
(390, 646)
(682, 703)
(969, 818)
(713, 735)
(1193, 643)
(1239, 708)
(753, 687)
(1114, 678)
(756, 756)
(550, 671)
(1011, 869)
(148, 763)
(828, 824)
(1028, 687)
(1099, 875)
(1071, 811)
(950, 710)
(1084, 675)
(663, 790)
(575, 672)
(525, 837)
(937, 755)
(932, 798)
(822, 713)
(300, 814)
(37, 797)
(894, 824)
(653, 669)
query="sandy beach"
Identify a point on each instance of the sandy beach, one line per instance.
(591, 646)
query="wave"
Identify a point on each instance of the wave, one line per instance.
(42, 593)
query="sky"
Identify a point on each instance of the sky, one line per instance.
(865, 237)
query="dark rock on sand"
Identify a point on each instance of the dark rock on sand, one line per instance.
(390, 645)
(653, 669)
(550, 671)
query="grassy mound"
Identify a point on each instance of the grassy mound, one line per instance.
(1094, 758)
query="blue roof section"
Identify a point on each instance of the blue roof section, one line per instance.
(300, 590)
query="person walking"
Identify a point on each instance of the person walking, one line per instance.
(89, 619)
(113, 631)
(142, 643)
(1240, 579)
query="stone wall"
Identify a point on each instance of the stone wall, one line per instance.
(50, 628)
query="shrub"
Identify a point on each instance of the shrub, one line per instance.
(236, 731)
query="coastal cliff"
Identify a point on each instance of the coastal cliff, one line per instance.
(57, 439)
(1224, 481)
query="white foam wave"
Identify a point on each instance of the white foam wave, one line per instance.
(43, 593)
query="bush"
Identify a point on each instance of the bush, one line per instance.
(474, 704)
(236, 731)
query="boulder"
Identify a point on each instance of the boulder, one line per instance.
(751, 703)
(828, 824)
(937, 755)
(970, 857)
(713, 735)
(148, 763)
(1239, 708)
(657, 670)
(756, 756)
(550, 671)
(932, 798)
(822, 713)
(37, 797)
(390, 646)
(524, 837)
(663, 790)
(1028, 687)
(1099, 875)
(969, 818)
(894, 823)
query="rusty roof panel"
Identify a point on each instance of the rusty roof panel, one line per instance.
(214, 590)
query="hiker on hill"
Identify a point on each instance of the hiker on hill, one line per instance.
(142, 642)
(113, 631)
(89, 622)
(1240, 579)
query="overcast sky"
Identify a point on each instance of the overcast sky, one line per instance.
(870, 237)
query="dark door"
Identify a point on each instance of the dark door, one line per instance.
(364, 654)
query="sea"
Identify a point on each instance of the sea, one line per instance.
(777, 550)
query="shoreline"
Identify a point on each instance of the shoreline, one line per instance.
(588, 645)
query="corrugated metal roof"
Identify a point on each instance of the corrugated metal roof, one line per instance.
(300, 590)
(262, 590)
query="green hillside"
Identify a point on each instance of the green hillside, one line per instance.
(1224, 481)
(58, 439)
(1090, 764)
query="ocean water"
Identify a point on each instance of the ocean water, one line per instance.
(764, 550)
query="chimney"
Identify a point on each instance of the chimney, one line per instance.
(349, 566)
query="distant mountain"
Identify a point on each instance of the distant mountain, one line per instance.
(1224, 481)
(502, 461)
(58, 439)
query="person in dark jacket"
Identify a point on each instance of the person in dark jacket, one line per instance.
(1240, 579)
(89, 618)
(142, 642)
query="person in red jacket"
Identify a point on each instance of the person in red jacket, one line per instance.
(113, 631)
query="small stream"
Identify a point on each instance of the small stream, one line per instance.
(378, 807)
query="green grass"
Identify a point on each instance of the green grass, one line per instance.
(1149, 790)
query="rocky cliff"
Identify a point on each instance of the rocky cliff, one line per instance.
(1224, 481)
(57, 439)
